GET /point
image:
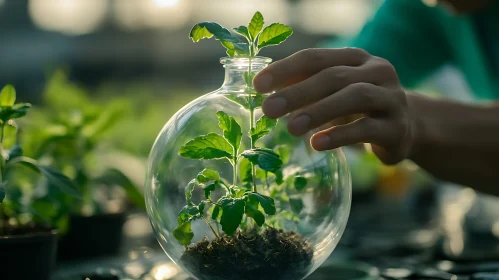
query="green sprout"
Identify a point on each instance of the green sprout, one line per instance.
(255, 163)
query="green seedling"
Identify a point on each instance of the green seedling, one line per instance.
(243, 197)
(70, 130)
(13, 157)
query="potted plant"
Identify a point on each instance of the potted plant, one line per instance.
(229, 192)
(69, 132)
(29, 208)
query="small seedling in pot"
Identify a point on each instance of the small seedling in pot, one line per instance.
(20, 206)
(258, 199)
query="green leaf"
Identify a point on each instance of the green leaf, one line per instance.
(241, 49)
(232, 214)
(263, 126)
(44, 209)
(255, 25)
(56, 178)
(208, 189)
(231, 129)
(2, 191)
(300, 183)
(245, 172)
(266, 202)
(13, 152)
(114, 176)
(252, 211)
(243, 30)
(188, 191)
(296, 205)
(8, 96)
(183, 233)
(279, 177)
(14, 112)
(210, 146)
(53, 176)
(186, 213)
(207, 175)
(284, 152)
(238, 193)
(216, 212)
(206, 30)
(201, 207)
(266, 159)
(274, 34)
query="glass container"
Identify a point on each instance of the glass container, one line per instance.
(232, 195)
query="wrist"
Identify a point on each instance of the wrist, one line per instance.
(417, 106)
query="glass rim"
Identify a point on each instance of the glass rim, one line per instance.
(245, 60)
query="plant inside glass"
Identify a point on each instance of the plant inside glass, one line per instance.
(229, 192)
(250, 234)
(29, 208)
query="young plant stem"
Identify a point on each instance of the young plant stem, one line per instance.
(252, 120)
(209, 224)
(217, 227)
(234, 168)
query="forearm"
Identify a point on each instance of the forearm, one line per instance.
(457, 142)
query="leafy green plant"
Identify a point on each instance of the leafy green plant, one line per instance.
(262, 182)
(69, 132)
(11, 158)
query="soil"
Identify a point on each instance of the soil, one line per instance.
(98, 277)
(25, 229)
(271, 255)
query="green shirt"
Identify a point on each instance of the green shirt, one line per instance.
(418, 40)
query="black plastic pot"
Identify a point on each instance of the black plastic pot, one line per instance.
(28, 256)
(91, 237)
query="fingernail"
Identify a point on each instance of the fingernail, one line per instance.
(300, 124)
(263, 83)
(275, 106)
(321, 142)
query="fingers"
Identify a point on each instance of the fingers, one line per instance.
(354, 99)
(311, 90)
(325, 83)
(304, 64)
(364, 130)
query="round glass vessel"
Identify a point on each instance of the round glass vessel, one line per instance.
(232, 195)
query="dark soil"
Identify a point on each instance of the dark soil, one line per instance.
(270, 255)
(99, 277)
(25, 229)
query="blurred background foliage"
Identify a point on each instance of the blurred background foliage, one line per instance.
(105, 75)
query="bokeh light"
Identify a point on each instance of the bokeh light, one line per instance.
(164, 14)
(74, 17)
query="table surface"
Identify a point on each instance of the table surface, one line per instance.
(382, 241)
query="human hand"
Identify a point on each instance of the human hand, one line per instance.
(321, 85)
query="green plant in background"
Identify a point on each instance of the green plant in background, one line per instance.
(21, 198)
(68, 132)
(262, 182)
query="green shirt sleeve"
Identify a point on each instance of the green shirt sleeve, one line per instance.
(408, 34)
